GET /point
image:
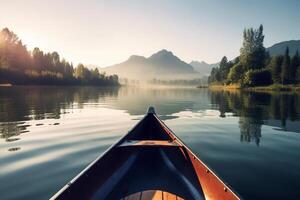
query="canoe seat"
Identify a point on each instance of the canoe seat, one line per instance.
(152, 195)
(154, 143)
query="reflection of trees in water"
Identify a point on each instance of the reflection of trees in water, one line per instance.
(26, 103)
(10, 129)
(250, 130)
(255, 109)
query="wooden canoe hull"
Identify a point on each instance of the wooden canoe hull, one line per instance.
(149, 158)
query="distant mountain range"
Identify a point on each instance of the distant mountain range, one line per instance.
(202, 67)
(165, 65)
(161, 65)
(279, 48)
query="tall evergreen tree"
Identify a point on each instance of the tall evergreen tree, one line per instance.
(298, 74)
(293, 68)
(214, 75)
(275, 66)
(224, 70)
(285, 67)
(252, 53)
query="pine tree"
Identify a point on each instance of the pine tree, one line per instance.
(285, 68)
(294, 65)
(298, 74)
(275, 66)
(223, 69)
(252, 53)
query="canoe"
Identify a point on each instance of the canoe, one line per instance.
(149, 162)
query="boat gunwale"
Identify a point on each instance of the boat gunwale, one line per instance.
(176, 138)
(66, 186)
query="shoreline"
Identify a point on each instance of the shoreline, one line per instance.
(58, 85)
(270, 88)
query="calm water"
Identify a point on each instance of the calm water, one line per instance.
(49, 134)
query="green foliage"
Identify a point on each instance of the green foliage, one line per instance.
(95, 73)
(252, 53)
(235, 74)
(219, 74)
(252, 56)
(18, 66)
(295, 62)
(214, 75)
(275, 67)
(81, 72)
(257, 77)
(285, 68)
(254, 66)
(298, 74)
(224, 68)
(13, 53)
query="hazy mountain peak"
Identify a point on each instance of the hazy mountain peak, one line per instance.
(203, 67)
(161, 65)
(165, 52)
(162, 53)
(136, 57)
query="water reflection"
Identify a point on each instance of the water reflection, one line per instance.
(49, 134)
(10, 129)
(280, 110)
(20, 105)
(250, 130)
(34, 103)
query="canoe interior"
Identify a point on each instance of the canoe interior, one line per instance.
(152, 195)
(161, 164)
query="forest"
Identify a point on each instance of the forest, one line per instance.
(255, 67)
(18, 66)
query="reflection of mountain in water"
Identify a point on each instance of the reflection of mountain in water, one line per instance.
(166, 101)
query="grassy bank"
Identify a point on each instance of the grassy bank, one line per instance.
(225, 87)
(274, 87)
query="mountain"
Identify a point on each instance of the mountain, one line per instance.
(161, 65)
(202, 67)
(279, 48)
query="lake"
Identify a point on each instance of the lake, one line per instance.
(49, 134)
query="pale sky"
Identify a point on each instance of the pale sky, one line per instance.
(107, 32)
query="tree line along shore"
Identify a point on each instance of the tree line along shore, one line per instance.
(18, 66)
(255, 69)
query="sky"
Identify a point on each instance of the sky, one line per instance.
(106, 32)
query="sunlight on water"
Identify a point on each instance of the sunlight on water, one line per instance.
(49, 134)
